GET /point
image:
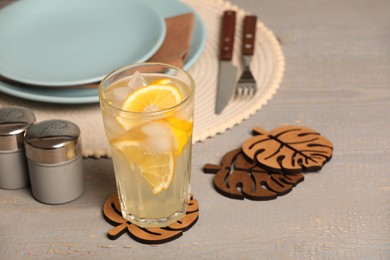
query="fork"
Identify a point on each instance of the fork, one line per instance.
(247, 84)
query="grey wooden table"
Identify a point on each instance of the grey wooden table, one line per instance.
(337, 81)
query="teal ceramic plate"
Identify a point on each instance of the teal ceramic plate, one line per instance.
(73, 42)
(166, 8)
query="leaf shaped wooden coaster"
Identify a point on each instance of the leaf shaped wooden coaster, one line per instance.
(239, 177)
(289, 149)
(112, 213)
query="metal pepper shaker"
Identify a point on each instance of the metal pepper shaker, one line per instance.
(13, 166)
(53, 150)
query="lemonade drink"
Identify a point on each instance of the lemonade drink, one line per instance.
(148, 119)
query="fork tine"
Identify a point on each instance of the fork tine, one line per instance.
(249, 91)
(254, 89)
(246, 87)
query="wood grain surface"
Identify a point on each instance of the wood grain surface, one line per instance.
(337, 81)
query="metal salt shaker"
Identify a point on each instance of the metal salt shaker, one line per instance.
(13, 167)
(53, 150)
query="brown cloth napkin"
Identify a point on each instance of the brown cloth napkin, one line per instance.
(173, 50)
(177, 41)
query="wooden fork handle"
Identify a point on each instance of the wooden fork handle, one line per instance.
(228, 29)
(249, 35)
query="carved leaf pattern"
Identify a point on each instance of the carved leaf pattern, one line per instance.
(289, 149)
(111, 211)
(239, 177)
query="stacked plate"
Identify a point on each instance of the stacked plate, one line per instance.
(50, 48)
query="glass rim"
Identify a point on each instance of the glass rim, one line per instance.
(144, 113)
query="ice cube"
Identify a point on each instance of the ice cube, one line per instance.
(159, 137)
(156, 129)
(112, 127)
(136, 81)
(161, 144)
(117, 95)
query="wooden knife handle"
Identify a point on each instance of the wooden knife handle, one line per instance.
(227, 35)
(249, 35)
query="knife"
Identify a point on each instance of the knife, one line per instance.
(227, 71)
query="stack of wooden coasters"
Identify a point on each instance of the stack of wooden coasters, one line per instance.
(270, 164)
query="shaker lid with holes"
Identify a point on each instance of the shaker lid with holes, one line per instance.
(53, 141)
(13, 123)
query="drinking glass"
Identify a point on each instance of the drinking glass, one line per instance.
(147, 111)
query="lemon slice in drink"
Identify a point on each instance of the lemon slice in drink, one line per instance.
(156, 168)
(182, 130)
(159, 95)
(163, 81)
(154, 97)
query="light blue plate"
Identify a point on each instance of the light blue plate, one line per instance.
(73, 42)
(166, 8)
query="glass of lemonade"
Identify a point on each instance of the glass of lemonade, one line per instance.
(148, 113)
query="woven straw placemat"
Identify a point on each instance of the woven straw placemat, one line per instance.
(267, 67)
